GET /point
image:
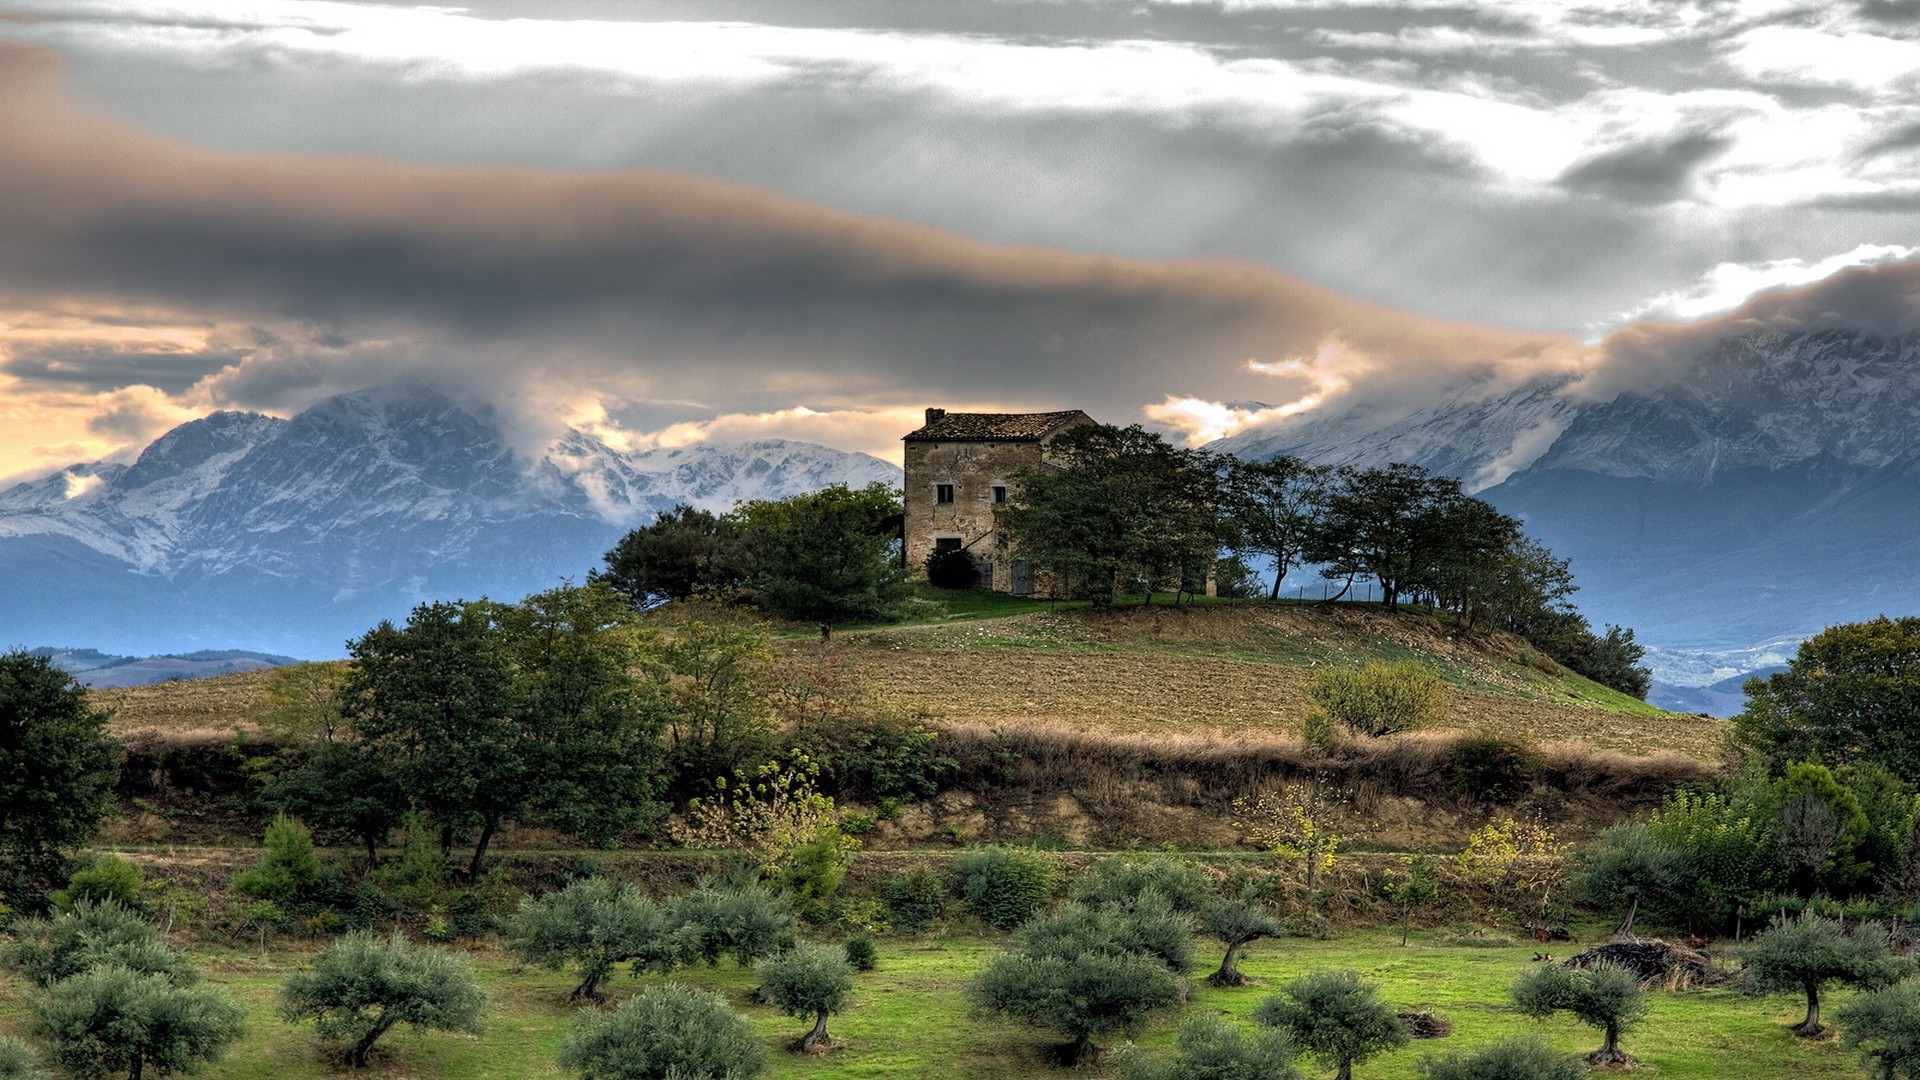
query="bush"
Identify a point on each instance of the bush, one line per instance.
(916, 898)
(112, 1019)
(809, 981)
(1604, 996)
(745, 922)
(92, 935)
(666, 1033)
(1004, 886)
(951, 568)
(1209, 1048)
(1150, 928)
(1335, 1016)
(1490, 768)
(592, 925)
(105, 877)
(1883, 1027)
(286, 869)
(363, 985)
(1515, 1059)
(861, 953)
(1380, 697)
(1123, 880)
(19, 1062)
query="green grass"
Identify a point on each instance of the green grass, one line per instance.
(909, 1019)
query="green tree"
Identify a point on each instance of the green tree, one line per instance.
(713, 686)
(1237, 922)
(343, 787)
(1337, 1017)
(665, 1033)
(1272, 509)
(91, 934)
(1410, 886)
(685, 552)
(57, 770)
(1004, 886)
(362, 986)
(1627, 866)
(1849, 694)
(916, 898)
(1884, 1028)
(1209, 1048)
(1117, 504)
(593, 925)
(286, 869)
(808, 982)
(19, 1062)
(1124, 879)
(112, 1019)
(1081, 997)
(1514, 1059)
(304, 704)
(1149, 925)
(1603, 996)
(1379, 697)
(1728, 850)
(1807, 953)
(743, 921)
(1386, 523)
(825, 556)
(1823, 830)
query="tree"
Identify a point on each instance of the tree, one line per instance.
(1117, 503)
(594, 925)
(1514, 1059)
(1294, 823)
(286, 868)
(1272, 509)
(1081, 997)
(1823, 830)
(808, 981)
(951, 568)
(665, 1033)
(1626, 866)
(685, 552)
(19, 1062)
(1409, 887)
(1209, 1048)
(303, 704)
(344, 788)
(1379, 697)
(825, 556)
(1123, 880)
(1514, 860)
(1237, 922)
(1807, 952)
(743, 921)
(1849, 694)
(1728, 852)
(711, 678)
(1337, 1017)
(1384, 523)
(105, 876)
(1884, 1027)
(1147, 926)
(112, 1019)
(92, 934)
(1604, 996)
(57, 770)
(362, 986)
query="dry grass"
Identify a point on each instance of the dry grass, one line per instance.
(220, 703)
(1242, 672)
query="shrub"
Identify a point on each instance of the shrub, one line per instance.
(105, 877)
(916, 898)
(1379, 697)
(745, 922)
(861, 953)
(1515, 1059)
(592, 925)
(1883, 1027)
(1004, 886)
(1209, 1048)
(19, 1062)
(92, 935)
(809, 982)
(1806, 952)
(951, 568)
(1335, 1016)
(1604, 996)
(286, 869)
(665, 1033)
(1149, 927)
(1123, 880)
(362, 986)
(112, 1019)
(1490, 768)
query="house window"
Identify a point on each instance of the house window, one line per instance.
(946, 543)
(943, 493)
(999, 493)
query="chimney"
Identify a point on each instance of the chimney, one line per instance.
(935, 414)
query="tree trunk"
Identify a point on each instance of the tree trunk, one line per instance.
(1313, 867)
(1406, 922)
(139, 1064)
(817, 1039)
(357, 1056)
(1345, 1072)
(1633, 909)
(480, 850)
(1080, 1051)
(1811, 1026)
(589, 988)
(1610, 1052)
(373, 850)
(1229, 975)
(1278, 574)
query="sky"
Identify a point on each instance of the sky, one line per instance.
(672, 221)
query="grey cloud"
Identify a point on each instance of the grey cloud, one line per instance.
(95, 368)
(1648, 172)
(1890, 11)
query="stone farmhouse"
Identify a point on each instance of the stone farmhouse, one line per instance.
(960, 468)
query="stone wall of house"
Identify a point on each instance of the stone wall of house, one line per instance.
(974, 469)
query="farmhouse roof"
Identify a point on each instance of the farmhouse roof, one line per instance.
(943, 426)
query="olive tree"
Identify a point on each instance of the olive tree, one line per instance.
(1236, 922)
(1605, 996)
(665, 1033)
(93, 934)
(1514, 1059)
(1209, 1048)
(745, 922)
(113, 1019)
(362, 986)
(19, 1062)
(1123, 880)
(1884, 1027)
(1081, 997)
(1337, 1017)
(1807, 952)
(808, 981)
(593, 925)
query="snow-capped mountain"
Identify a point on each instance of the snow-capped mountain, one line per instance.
(1773, 488)
(243, 530)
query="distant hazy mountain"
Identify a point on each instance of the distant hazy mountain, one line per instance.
(91, 667)
(247, 531)
(1771, 490)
